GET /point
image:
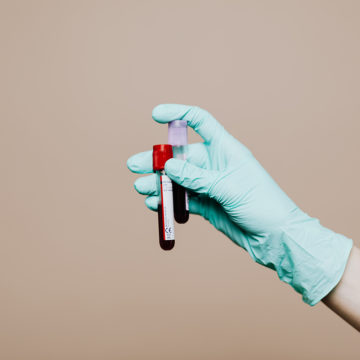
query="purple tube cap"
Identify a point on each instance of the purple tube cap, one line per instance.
(177, 133)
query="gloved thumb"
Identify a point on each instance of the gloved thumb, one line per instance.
(190, 176)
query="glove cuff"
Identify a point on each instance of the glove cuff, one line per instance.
(314, 258)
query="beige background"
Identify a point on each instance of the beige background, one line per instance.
(81, 272)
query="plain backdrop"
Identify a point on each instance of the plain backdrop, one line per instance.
(81, 274)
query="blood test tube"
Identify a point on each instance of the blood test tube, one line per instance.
(162, 153)
(177, 137)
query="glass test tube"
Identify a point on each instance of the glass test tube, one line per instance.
(162, 153)
(177, 137)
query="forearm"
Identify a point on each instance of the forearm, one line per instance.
(344, 299)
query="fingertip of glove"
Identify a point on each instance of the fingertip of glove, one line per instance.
(152, 202)
(136, 187)
(157, 112)
(168, 112)
(172, 165)
(129, 163)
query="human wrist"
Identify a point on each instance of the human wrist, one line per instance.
(344, 299)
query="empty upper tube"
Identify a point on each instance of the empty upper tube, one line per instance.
(177, 137)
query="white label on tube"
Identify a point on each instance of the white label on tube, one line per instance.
(167, 207)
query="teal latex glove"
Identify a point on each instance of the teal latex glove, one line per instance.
(231, 189)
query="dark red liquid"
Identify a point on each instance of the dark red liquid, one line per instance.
(181, 215)
(164, 244)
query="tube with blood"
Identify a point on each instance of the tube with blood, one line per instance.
(162, 153)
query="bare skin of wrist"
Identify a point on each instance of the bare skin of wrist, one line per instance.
(344, 299)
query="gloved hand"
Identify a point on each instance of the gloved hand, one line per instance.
(230, 188)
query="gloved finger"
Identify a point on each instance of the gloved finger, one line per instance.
(146, 185)
(141, 163)
(196, 205)
(200, 120)
(215, 214)
(197, 155)
(152, 202)
(190, 176)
